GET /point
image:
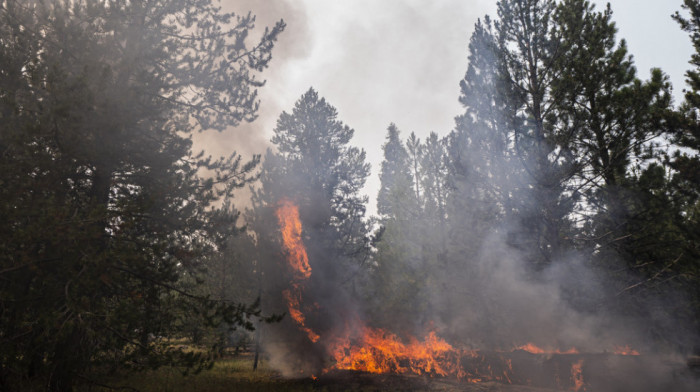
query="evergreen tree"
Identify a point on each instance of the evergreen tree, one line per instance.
(322, 172)
(395, 176)
(415, 154)
(434, 178)
(686, 162)
(317, 169)
(510, 154)
(482, 169)
(689, 135)
(615, 116)
(232, 275)
(433, 238)
(556, 127)
(412, 251)
(530, 50)
(103, 213)
(630, 212)
(395, 293)
(686, 165)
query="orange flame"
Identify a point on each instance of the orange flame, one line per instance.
(625, 350)
(533, 349)
(293, 304)
(290, 224)
(378, 351)
(577, 376)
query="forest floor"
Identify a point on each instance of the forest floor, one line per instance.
(236, 374)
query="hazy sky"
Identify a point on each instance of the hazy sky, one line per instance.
(383, 61)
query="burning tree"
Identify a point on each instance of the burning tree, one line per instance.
(540, 145)
(317, 170)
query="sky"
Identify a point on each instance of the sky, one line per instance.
(400, 61)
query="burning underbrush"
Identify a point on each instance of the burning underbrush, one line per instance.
(348, 345)
(522, 371)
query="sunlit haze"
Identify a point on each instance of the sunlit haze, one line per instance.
(401, 61)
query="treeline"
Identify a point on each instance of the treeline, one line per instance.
(106, 222)
(562, 155)
(116, 238)
(563, 160)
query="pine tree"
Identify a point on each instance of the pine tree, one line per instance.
(104, 213)
(482, 169)
(395, 292)
(322, 172)
(531, 48)
(434, 179)
(618, 120)
(317, 169)
(415, 155)
(395, 176)
(615, 116)
(686, 164)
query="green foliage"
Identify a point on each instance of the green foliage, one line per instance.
(482, 174)
(317, 168)
(394, 297)
(560, 150)
(685, 183)
(112, 242)
(103, 213)
(395, 176)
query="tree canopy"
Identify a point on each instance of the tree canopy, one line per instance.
(568, 188)
(104, 211)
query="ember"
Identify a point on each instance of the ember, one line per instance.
(577, 376)
(626, 350)
(532, 349)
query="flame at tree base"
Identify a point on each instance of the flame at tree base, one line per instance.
(377, 351)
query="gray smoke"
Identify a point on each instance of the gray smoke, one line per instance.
(492, 301)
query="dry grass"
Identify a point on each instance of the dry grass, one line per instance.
(229, 374)
(236, 374)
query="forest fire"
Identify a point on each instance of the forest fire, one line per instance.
(372, 350)
(375, 351)
(290, 224)
(533, 349)
(378, 351)
(625, 350)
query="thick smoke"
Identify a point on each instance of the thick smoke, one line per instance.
(503, 304)
(252, 138)
(491, 300)
(496, 304)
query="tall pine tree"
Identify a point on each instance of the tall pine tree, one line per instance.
(315, 167)
(103, 211)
